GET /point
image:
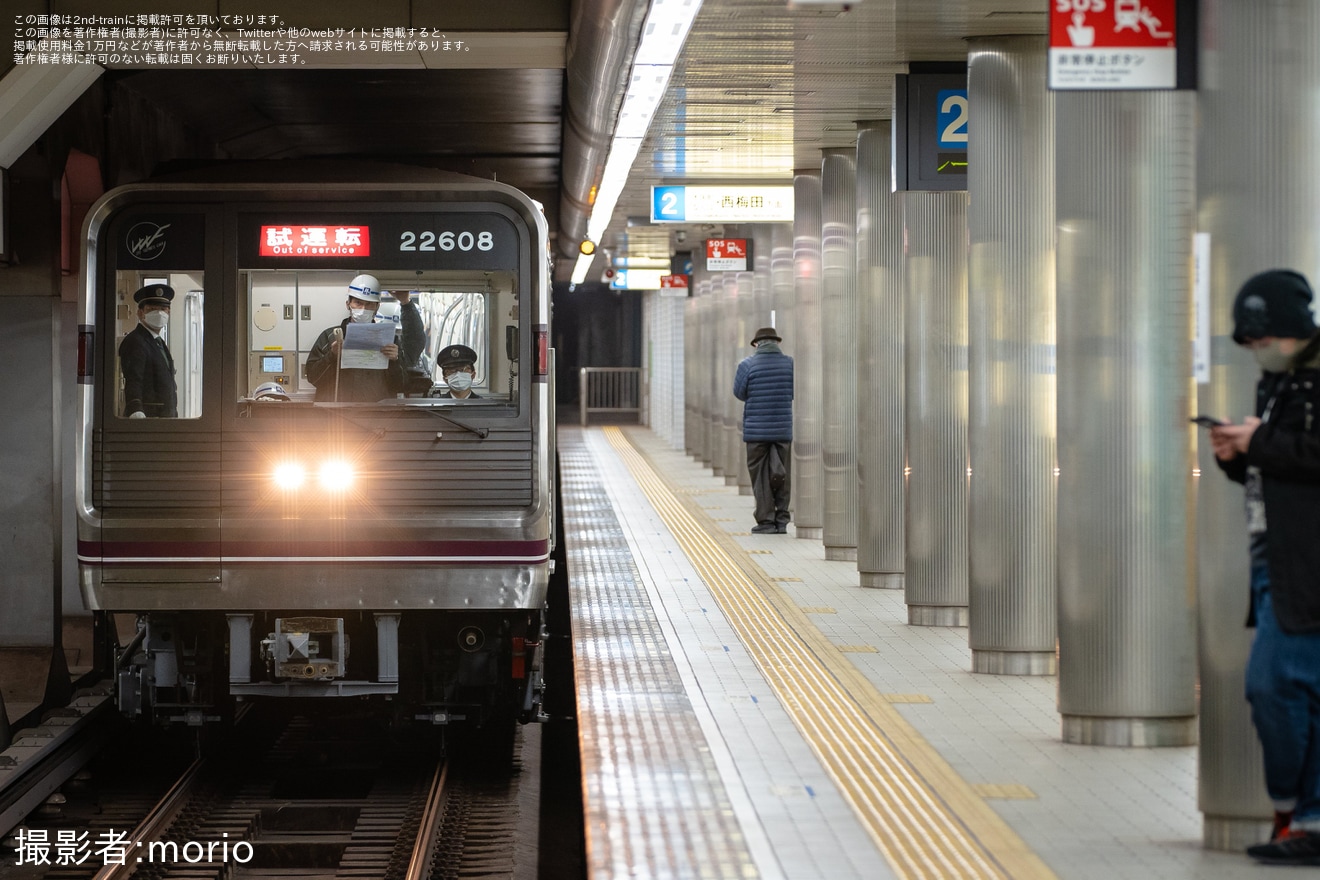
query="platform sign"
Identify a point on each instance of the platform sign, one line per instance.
(1115, 45)
(931, 127)
(727, 255)
(721, 204)
(668, 204)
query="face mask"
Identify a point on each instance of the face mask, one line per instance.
(156, 320)
(1271, 358)
(362, 316)
(459, 381)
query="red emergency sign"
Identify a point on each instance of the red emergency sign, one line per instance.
(668, 282)
(726, 254)
(1113, 44)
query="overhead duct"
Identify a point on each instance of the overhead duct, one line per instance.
(603, 37)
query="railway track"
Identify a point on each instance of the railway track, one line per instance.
(315, 796)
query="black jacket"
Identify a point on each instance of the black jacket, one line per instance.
(148, 369)
(365, 386)
(1286, 448)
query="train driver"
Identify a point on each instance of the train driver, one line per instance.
(337, 384)
(458, 368)
(145, 359)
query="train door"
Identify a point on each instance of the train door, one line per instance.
(155, 447)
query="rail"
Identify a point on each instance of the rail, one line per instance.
(609, 390)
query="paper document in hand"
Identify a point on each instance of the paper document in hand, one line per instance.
(362, 345)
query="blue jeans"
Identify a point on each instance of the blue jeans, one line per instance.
(1283, 687)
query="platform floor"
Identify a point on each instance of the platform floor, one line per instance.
(811, 732)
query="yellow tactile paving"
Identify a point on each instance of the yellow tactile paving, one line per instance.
(925, 819)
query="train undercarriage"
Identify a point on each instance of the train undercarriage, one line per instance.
(472, 668)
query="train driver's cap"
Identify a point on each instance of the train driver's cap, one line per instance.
(154, 295)
(766, 333)
(457, 356)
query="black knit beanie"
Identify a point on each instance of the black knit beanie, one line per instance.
(1273, 303)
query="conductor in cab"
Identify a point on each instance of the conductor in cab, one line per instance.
(145, 360)
(458, 369)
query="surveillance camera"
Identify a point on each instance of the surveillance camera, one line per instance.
(680, 236)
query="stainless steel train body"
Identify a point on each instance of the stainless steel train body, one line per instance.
(396, 549)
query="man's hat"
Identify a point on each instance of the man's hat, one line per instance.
(457, 356)
(1273, 303)
(766, 333)
(154, 294)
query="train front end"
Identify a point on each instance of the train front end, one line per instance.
(356, 529)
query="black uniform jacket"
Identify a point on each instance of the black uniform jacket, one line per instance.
(1286, 448)
(148, 369)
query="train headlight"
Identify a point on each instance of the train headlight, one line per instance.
(336, 475)
(289, 475)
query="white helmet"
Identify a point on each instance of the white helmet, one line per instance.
(365, 288)
(270, 391)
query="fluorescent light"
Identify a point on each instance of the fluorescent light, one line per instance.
(663, 33)
(622, 153)
(646, 87)
(580, 269)
(665, 29)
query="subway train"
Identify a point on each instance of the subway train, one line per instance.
(252, 535)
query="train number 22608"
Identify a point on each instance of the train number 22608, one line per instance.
(446, 241)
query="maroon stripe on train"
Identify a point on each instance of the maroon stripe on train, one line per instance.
(110, 550)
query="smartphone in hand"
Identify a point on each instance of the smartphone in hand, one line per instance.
(1208, 422)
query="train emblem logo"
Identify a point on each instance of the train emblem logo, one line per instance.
(146, 240)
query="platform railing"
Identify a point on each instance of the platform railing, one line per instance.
(609, 390)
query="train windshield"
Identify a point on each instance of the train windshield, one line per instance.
(341, 337)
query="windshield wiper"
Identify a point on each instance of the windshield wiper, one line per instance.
(482, 432)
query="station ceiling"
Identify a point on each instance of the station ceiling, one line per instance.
(761, 88)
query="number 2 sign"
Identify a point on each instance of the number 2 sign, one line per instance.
(951, 118)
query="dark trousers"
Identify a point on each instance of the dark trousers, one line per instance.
(770, 466)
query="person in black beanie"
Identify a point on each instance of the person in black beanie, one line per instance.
(1276, 456)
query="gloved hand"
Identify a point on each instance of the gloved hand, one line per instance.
(138, 415)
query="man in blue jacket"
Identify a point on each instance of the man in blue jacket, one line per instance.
(764, 382)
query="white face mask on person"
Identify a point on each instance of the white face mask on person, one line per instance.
(362, 316)
(1272, 358)
(156, 319)
(460, 381)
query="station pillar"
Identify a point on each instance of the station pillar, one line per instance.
(1259, 191)
(1126, 201)
(935, 413)
(1011, 510)
(838, 250)
(808, 412)
(879, 322)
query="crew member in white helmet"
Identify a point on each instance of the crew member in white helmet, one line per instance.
(336, 384)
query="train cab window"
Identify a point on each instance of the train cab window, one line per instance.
(158, 333)
(310, 340)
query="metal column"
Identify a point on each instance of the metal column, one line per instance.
(880, 454)
(935, 414)
(1126, 201)
(808, 413)
(753, 308)
(1259, 191)
(838, 240)
(1011, 599)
